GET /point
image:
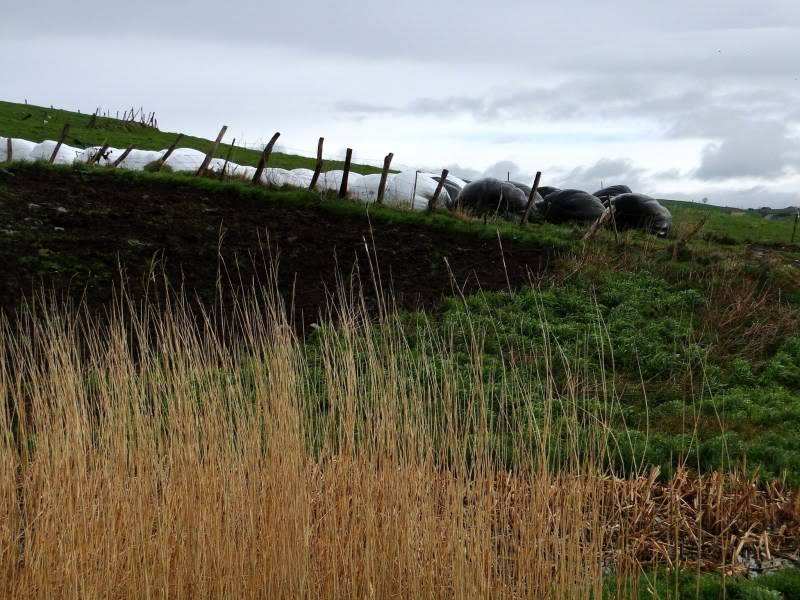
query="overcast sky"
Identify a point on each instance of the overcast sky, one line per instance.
(682, 99)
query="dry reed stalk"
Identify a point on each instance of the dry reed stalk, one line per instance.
(153, 456)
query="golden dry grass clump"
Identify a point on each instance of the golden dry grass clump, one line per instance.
(158, 454)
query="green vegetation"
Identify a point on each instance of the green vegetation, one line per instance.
(780, 585)
(730, 226)
(645, 352)
(37, 123)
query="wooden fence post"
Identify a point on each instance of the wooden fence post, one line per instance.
(160, 162)
(435, 197)
(96, 156)
(318, 166)
(10, 151)
(348, 157)
(64, 133)
(122, 157)
(614, 219)
(387, 162)
(531, 196)
(681, 242)
(264, 160)
(605, 216)
(227, 160)
(794, 229)
(212, 151)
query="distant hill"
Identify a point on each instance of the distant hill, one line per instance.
(39, 123)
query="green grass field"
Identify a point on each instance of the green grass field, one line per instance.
(37, 123)
(730, 225)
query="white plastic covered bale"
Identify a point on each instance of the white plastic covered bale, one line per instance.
(108, 157)
(276, 177)
(216, 164)
(304, 176)
(329, 181)
(185, 159)
(366, 188)
(241, 172)
(137, 160)
(457, 181)
(85, 154)
(66, 154)
(332, 180)
(413, 189)
(20, 149)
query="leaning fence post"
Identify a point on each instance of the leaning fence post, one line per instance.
(96, 156)
(212, 151)
(64, 133)
(160, 162)
(262, 162)
(435, 197)
(614, 219)
(681, 242)
(387, 162)
(9, 151)
(318, 166)
(605, 216)
(531, 196)
(122, 157)
(227, 160)
(348, 157)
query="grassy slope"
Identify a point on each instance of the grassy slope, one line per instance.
(45, 123)
(730, 225)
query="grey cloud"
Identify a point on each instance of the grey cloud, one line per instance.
(604, 172)
(500, 170)
(667, 174)
(506, 169)
(566, 33)
(757, 149)
(751, 127)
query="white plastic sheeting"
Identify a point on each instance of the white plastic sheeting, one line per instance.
(414, 189)
(185, 159)
(409, 188)
(20, 149)
(66, 154)
(137, 160)
(332, 181)
(366, 188)
(304, 176)
(110, 156)
(275, 177)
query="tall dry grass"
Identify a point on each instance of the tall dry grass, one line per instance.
(158, 454)
(163, 452)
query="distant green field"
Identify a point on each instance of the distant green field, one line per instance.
(730, 225)
(37, 123)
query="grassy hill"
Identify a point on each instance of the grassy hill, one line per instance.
(38, 123)
(732, 225)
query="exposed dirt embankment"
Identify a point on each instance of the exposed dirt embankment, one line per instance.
(73, 231)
